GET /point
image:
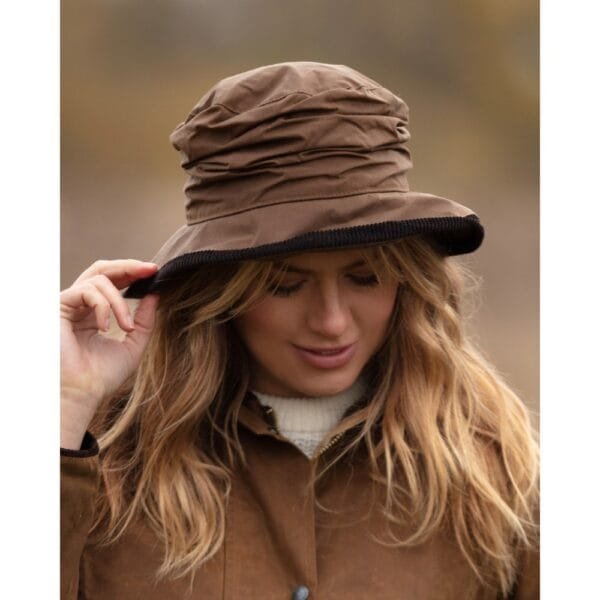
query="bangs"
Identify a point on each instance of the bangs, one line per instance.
(386, 261)
(396, 261)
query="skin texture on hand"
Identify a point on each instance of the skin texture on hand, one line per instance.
(92, 364)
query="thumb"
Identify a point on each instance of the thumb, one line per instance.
(143, 320)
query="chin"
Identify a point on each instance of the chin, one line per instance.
(334, 386)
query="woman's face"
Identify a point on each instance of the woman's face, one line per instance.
(313, 335)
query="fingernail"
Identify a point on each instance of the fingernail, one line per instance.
(107, 323)
(130, 322)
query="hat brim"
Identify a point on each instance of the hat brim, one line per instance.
(284, 228)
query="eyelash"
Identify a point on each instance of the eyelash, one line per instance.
(366, 281)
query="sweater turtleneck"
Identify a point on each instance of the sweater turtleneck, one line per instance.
(306, 421)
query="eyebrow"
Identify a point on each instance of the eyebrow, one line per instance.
(291, 269)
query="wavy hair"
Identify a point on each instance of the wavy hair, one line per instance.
(450, 444)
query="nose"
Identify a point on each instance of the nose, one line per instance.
(328, 313)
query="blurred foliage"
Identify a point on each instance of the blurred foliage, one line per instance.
(132, 69)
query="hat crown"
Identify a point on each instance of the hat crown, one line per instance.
(272, 83)
(291, 131)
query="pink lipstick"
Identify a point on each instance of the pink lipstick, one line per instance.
(327, 358)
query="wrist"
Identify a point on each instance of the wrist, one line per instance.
(75, 417)
(71, 440)
(89, 447)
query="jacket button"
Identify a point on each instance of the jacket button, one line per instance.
(300, 593)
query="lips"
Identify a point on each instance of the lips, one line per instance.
(325, 351)
(326, 357)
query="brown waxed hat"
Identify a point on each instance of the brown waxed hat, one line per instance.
(294, 157)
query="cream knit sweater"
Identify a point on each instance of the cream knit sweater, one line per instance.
(306, 421)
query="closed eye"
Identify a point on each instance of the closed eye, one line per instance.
(365, 280)
(287, 290)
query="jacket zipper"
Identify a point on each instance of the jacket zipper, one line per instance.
(329, 444)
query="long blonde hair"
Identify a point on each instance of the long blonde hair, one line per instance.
(449, 442)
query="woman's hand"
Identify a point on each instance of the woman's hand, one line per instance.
(93, 365)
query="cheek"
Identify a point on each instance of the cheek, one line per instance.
(378, 310)
(265, 322)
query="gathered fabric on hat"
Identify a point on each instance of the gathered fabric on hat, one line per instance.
(311, 133)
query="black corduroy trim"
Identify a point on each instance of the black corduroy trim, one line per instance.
(89, 447)
(450, 235)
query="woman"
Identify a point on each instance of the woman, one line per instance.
(294, 410)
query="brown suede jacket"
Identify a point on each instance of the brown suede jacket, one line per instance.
(279, 545)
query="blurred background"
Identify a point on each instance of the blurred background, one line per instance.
(131, 70)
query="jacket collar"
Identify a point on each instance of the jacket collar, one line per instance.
(256, 417)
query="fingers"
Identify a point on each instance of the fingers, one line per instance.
(97, 293)
(136, 339)
(97, 290)
(146, 311)
(120, 272)
(83, 296)
(117, 303)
